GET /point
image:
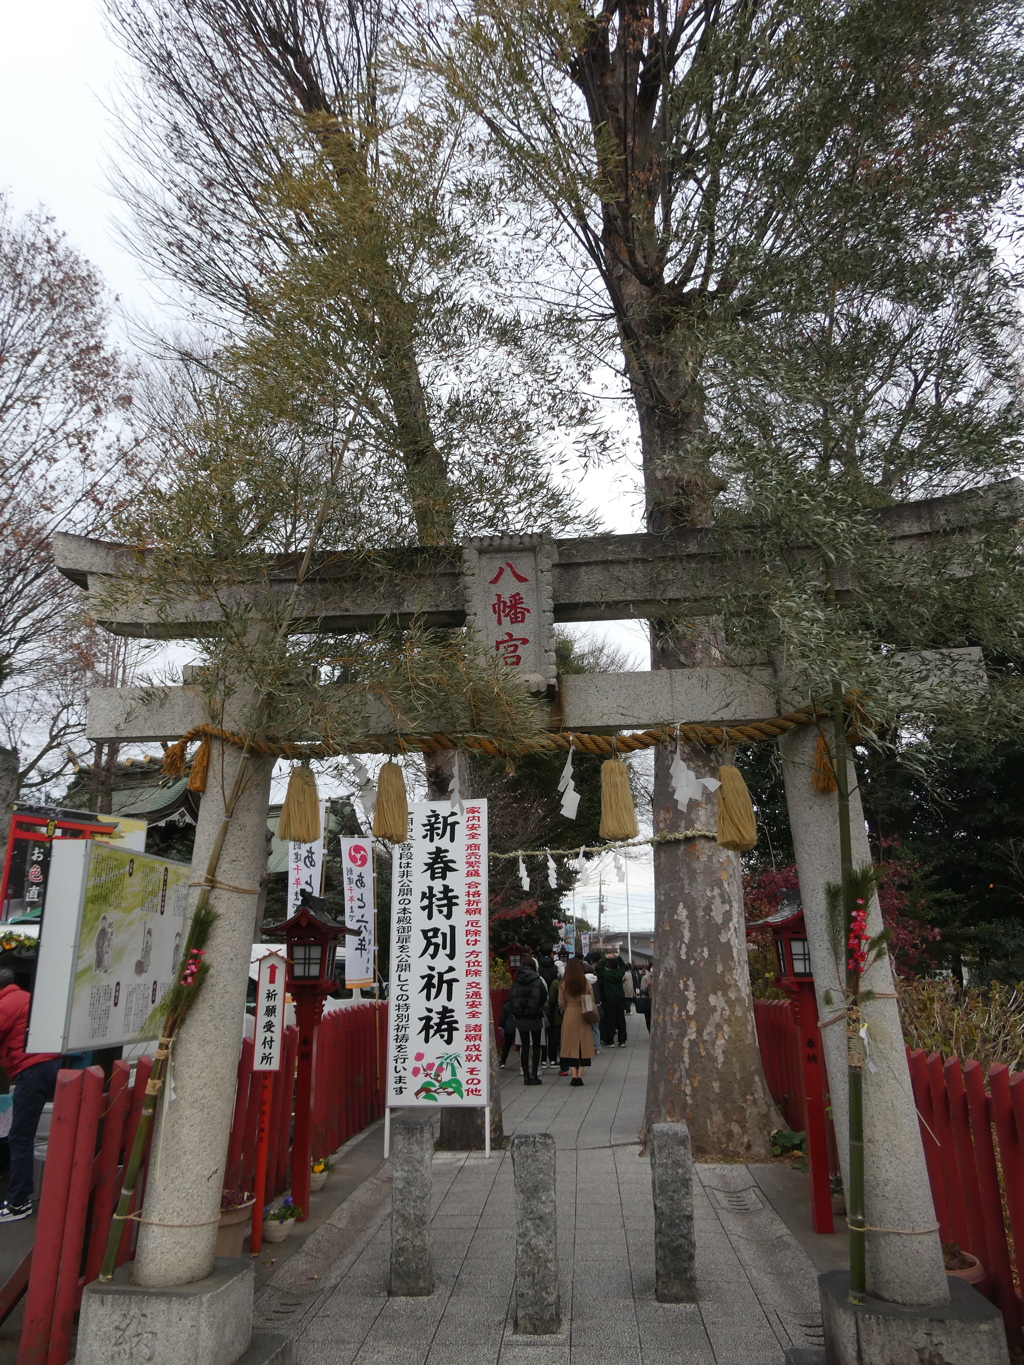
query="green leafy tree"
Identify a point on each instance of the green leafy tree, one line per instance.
(790, 215)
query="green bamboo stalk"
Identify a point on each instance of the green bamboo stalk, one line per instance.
(854, 1049)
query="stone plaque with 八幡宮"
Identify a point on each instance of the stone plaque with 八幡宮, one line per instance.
(509, 604)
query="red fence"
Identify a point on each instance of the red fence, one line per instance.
(974, 1146)
(92, 1130)
(779, 1040)
(972, 1127)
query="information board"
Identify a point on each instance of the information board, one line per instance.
(439, 1013)
(113, 926)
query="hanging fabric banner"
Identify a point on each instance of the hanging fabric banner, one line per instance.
(584, 944)
(439, 1012)
(357, 883)
(306, 866)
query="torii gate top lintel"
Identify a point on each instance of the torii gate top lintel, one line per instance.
(638, 576)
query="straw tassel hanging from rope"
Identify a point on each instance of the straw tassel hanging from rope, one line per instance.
(391, 813)
(176, 764)
(737, 828)
(823, 777)
(299, 822)
(618, 817)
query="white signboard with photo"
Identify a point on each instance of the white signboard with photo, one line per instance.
(357, 882)
(438, 1046)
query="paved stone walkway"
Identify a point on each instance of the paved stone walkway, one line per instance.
(758, 1293)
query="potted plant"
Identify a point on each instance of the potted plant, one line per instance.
(962, 1264)
(235, 1215)
(278, 1222)
(319, 1169)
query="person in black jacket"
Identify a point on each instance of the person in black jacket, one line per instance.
(610, 973)
(508, 1030)
(548, 972)
(528, 1000)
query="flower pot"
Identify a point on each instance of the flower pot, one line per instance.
(839, 1203)
(233, 1229)
(276, 1231)
(971, 1274)
(318, 1179)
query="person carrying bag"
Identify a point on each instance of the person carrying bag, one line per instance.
(576, 1003)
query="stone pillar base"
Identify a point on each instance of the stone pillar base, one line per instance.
(208, 1322)
(966, 1331)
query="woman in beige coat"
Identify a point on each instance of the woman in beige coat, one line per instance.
(577, 1041)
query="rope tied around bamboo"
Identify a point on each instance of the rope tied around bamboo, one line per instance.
(175, 762)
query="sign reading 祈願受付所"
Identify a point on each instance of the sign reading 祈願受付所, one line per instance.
(357, 881)
(439, 1014)
(270, 1001)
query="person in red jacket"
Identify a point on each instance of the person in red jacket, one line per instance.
(34, 1076)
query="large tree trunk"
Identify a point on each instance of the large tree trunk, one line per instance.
(462, 1130)
(704, 1065)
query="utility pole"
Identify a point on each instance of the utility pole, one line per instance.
(629, 936)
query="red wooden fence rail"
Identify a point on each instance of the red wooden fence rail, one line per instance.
(93, 1129)
(779, 1040)
(972, 1128)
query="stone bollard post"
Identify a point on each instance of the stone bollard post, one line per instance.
(675, 1252)
(412, 1150)
(537, 1298)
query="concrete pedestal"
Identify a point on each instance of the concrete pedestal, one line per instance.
(208, 1322)
(967, 1331)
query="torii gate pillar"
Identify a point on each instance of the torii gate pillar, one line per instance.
(904, 1266)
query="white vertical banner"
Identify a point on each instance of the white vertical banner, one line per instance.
(270, 988)
(357, 883)
(306, 866)
(584, 944)
(439, 1012)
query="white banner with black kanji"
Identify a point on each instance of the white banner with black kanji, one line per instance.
(439, 995)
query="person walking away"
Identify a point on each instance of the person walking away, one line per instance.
(548, 973)
(595, 991)
(554, 1018)
(628, 989)
(528, 999)
(508, 1029)
(643, 999)
(35, 1079)
(610, 973)
(577, 1035)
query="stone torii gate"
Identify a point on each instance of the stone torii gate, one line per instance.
(513, 590)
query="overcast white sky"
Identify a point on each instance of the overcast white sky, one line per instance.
(58, 73)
